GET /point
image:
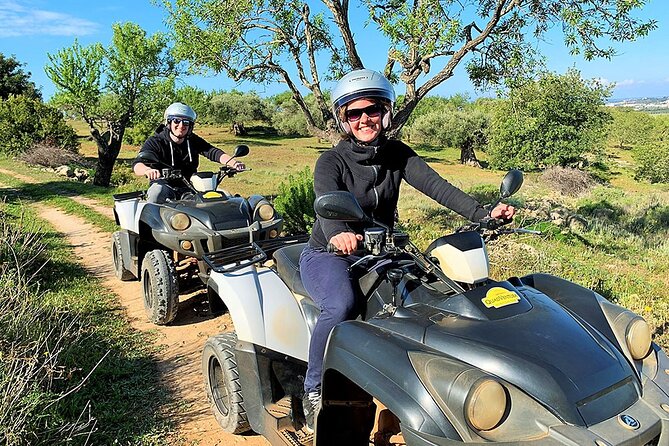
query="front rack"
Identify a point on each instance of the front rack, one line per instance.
(231, 259)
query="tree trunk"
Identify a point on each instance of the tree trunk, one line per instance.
(109, 146)
(467, 155)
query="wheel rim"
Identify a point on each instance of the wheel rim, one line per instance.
(116, 255)
(219, 390)
(148, 290)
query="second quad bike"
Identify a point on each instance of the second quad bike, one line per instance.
(454, 356)
(163, 244)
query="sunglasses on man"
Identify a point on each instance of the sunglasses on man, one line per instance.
(185, 122)
(372, 111)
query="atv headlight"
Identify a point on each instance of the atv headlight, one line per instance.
(486, 404)
(180, 221)
(638, 338)
(265, 211)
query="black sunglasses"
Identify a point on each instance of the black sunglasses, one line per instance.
(178, 121)
(354, 114)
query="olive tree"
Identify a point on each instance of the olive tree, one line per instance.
(111, 88)
(286, 40)
(555, 120)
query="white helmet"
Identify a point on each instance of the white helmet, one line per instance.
(179, 110)
(358, 84)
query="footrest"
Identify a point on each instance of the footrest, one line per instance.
(231, 259)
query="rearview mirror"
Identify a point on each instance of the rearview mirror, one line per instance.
(511, 183)
(241, 150)
(339, 205)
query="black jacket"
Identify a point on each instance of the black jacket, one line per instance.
(184, 156)
(373, 175)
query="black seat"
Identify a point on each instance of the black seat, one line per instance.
(287, 261)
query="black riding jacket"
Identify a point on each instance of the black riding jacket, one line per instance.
(373, 175)
(184, 156)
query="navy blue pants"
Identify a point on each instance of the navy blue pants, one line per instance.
(326, 278)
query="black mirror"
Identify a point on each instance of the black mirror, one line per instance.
(340, 206)
(150, 159)
(241, 150)
(511, 183)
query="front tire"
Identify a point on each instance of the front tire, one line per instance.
(224, 391)
(160, 287)
(120, 270)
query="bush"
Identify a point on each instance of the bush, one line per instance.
(567, 180)
(295, 202)
(484, 193)
(652, 162)
(121, 175)
(43, 154)
(26, 121)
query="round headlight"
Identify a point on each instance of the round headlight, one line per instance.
(180, 222)
(486, 404)
(265, 212)
(638, 338)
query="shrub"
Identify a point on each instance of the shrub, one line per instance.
(567, 180)
(121, 175)
(295, 202)
(47, 155)
(25, 121)
(484, 193)
(652, 162)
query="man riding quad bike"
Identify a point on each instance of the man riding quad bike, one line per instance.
(162, 240)
(454, 356)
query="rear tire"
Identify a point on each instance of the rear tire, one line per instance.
(160, 287)
(224, 391)
(120, 270)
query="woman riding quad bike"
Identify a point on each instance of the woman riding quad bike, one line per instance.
(454, 356)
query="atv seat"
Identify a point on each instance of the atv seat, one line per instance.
(287, 261)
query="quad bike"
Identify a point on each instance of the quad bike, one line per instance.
(163, 244)
(454, 356)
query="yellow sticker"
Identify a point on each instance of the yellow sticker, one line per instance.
(212, 194)
(499, 297)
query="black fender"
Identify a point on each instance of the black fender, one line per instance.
(377, 361)
(129, 251)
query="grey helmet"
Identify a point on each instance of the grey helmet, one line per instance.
(362, 83)
(179, 110)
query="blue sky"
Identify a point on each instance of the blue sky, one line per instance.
(29, 29)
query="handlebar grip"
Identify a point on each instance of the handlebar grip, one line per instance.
(331, 248)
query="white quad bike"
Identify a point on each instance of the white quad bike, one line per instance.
(162, 244)
(454, 356)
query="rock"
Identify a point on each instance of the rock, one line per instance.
(81, 174)
(65, 171)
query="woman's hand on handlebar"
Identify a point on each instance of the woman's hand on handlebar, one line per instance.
(503, 212)
(346, 242)
(152, 174)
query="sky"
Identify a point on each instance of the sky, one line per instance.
(30, 29)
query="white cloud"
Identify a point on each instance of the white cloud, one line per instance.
(18, 19)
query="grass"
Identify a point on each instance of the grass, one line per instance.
(87, 369)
